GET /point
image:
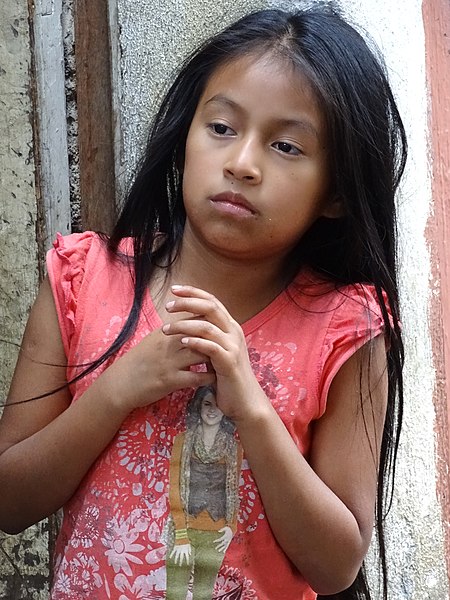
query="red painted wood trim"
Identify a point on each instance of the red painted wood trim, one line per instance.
(436, 17)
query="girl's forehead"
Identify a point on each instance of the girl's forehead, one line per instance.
(267, 63)
(268, 82)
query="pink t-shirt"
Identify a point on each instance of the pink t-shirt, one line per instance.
(119, 529)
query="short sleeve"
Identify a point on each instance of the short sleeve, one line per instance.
(356, 320)
(66, 263)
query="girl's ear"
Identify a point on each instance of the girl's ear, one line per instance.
(334, 208)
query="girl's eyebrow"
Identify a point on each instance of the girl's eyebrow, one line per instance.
(305, 125)
(221, 99)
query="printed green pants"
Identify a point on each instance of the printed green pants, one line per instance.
(204, 564)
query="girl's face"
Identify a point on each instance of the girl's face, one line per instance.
(210, 412)
(255, 175)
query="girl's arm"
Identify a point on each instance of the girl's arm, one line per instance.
(47, 445)
(321, 512)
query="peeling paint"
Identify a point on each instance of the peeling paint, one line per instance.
(24, 565)
(437, 24)
(50, 118)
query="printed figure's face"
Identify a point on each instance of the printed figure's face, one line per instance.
(210, 412)
(255, 175)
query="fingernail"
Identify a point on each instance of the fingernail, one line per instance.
(176, 287)
(166, 327)
(185, 340)
(170, 304)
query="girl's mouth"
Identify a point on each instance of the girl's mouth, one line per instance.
(232, 203)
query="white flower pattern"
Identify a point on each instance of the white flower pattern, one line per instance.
(121, 550)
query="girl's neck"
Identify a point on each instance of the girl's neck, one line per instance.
(244, 287)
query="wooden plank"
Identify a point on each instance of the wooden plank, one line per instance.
(95, 118)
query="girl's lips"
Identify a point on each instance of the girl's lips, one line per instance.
(233, 203)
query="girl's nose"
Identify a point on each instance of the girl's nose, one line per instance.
(243, 163)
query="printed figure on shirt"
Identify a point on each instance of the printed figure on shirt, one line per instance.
(204, 479)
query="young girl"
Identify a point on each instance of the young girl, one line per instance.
(255, 253)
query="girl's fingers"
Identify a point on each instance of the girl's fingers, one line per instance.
(205, 339)
(195, 328)
(195, 379)
(211, 331)
(191, 291)
(202, 304)
(188, 357)
(217, 354)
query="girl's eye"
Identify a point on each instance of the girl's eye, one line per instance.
(221, 129)
(287, 148)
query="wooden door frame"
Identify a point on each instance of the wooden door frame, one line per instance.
(97, 123)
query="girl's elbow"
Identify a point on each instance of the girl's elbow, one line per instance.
(15, 522)
(11, 527)
(328, 586)
(339, 570)
(335, 575)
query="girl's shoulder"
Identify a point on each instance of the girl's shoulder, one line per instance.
(81, 271)
(337, 321)
(338, 315)
(73, 254)
(73, 249)
(315, 293)
(315, 306)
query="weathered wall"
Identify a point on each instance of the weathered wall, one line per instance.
(23, 569)
(416, 523)
(154, 36)
(17, 195)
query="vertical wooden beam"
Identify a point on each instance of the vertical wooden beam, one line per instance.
(52, 187)
(436, 17)
(95, 119)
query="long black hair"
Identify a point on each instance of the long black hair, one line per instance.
(366, 154)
